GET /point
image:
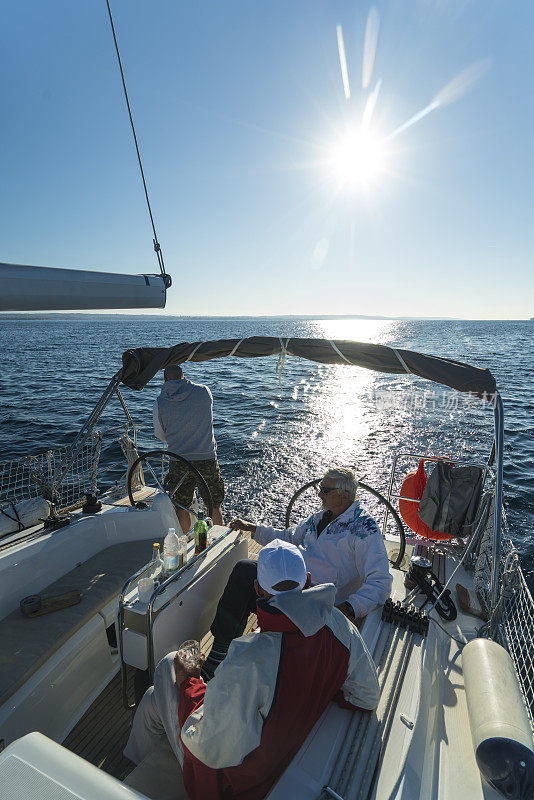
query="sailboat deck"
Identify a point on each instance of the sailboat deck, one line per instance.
(101, 734)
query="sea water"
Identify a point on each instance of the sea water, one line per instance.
(273, 437)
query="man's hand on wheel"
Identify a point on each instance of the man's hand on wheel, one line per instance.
(242, 525)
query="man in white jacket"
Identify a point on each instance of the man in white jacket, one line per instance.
(340, 545)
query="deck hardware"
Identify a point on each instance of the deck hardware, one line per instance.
(35, 605)
(92, 505)
(408, 722)
(30, 604)
(410, 617)
(427, 582)
(55, 522)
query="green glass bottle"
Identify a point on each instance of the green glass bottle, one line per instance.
(201, 534)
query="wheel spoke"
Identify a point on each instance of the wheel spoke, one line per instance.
(182, 479)
(179, 505)
(149, 465)
(164, 459)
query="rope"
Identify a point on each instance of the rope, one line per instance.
(194, 350)
(402, 361)
(157, 247)
(281, 359)
(232, 353)
(484, 506)
(338, 351)
(16, 518)
(459, 641)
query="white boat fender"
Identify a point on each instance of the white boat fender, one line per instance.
(16, 517)
(500, 728)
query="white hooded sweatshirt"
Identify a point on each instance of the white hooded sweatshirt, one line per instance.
(349, 552)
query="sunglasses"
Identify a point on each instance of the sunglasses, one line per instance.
(326, 489)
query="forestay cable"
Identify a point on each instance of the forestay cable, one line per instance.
(157, 247)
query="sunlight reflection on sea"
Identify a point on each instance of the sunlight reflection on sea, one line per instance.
(273, 439)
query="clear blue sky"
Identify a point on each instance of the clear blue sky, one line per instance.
(238, 106)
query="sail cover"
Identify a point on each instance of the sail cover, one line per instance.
(141, 364)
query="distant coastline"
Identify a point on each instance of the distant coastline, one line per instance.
(111, 315)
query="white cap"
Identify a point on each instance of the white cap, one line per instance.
(280, 561)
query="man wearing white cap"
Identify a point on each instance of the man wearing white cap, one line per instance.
(240, 732)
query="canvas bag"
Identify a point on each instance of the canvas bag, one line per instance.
(450, 500)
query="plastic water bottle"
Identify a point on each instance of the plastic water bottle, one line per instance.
(156, 564)
(170, 553)
(182, 551)
(201, 534)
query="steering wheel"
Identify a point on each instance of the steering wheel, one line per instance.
(160, 456)
(399, 559)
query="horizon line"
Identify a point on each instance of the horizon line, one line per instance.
(111, 313)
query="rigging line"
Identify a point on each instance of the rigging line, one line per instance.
(193, 351)
(232, 352)
(402, 361)
(338, 351)
(281, 359)
(16, 518)
(460, 641)
(157, 246)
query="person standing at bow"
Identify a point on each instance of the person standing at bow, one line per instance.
(183, 418)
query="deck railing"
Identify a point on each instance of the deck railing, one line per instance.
(37, 475)
(513, 624)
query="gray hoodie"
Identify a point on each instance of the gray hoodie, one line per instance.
(183, 417)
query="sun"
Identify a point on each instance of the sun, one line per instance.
(357, 159)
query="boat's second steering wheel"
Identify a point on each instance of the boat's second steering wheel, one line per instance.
(402, 543)
(156, 460)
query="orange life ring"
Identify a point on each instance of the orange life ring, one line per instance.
(413, 486)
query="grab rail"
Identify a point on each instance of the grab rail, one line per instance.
(150, 606)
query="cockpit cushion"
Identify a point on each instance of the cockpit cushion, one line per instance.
(27, 643)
